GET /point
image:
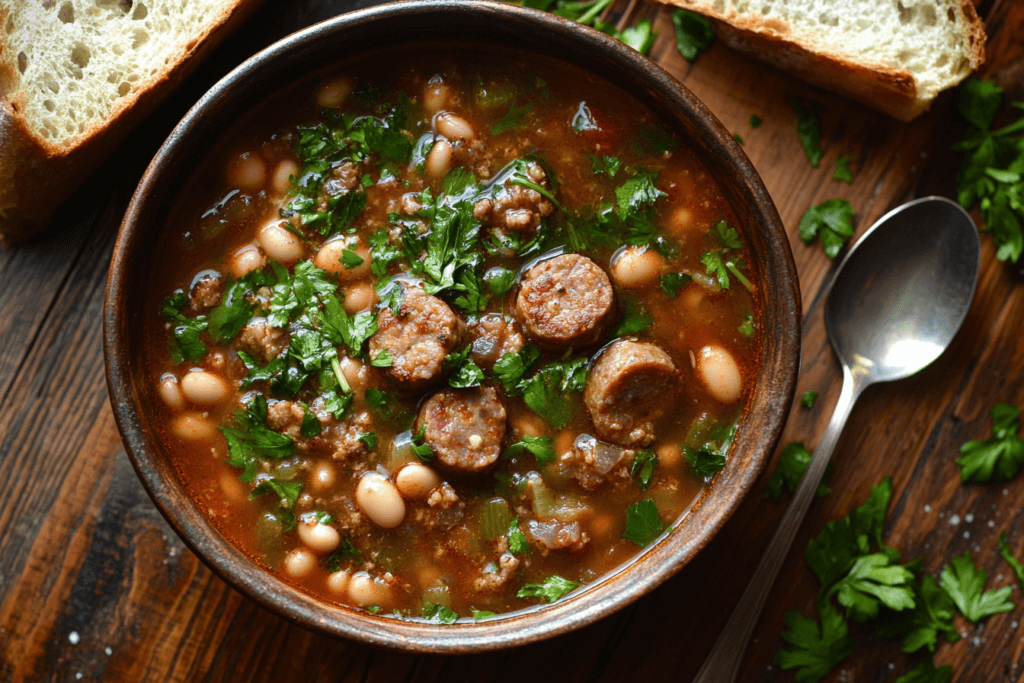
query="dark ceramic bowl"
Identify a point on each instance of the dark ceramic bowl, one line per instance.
(459, 22)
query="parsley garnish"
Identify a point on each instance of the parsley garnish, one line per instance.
(287, 491)
(481, 613)
(671, 283)
(370, 439)
(438, 614)
(311, 425)
(831, 221)
(637, 193)
(793, 462)
(815, 651)
(874, 580)
(640, 37)
(548, 392)
(553, 588)
(512, 367)
(606, 165)
(708, 458)
(693, 33)
(249, 439)
(808, 129)
(721, 262)
(1007, 553)
(965, 584)
(642, 469)
(738, 138)
(464, 372)
(513, 120)
(382, 359)
(643, 523)
(808, 398)
(999, 457)
(350, 259)
(748, 326)
(541, 447)
(843, 172)
(185, 337)
(920, 627)
(755, 120)
(420, 447)
(517, 542)
(380, 402)
(635, 320)
(345, 553)
(499, 281)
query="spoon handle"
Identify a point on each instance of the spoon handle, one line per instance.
(723, 662)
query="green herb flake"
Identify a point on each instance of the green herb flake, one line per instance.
(808, 129)
(814, 651)
(605, 165)
(808, 398)
(643, 523)
(513, 120)
(1007, 553)
(420, 447)
(642, 469)
(552, 392)
(672, 283)
(843, 172)
(311, 425)
(920, 627)
(370, 439)
(512, 367)
(287, 491)
(738, 138)
(872, 581)
(350, 259)
(999, 457)
(635, 320)
(438, 614)
(345, 554)
(541, 447)
(499, 281)
(481, 613)
(693, 33)
(553, 588)
(755, 120)
(517, 541)
(965, 584)
(383, 359)
(249, 439)
(831, 222)
(640, 37)
(793, 462)
(748, 327)
(637, 193)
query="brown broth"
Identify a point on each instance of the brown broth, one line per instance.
(438, 555)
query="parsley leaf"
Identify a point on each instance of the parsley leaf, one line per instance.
(738, 138)
(815, 651)
(793, 463)
(517, 541)
(499, 281)
(370, 439)
(640, 37)
(351, 259)
(831, 221)
(513, 120)
(1007, 553)
(512, 367)
(708, 458)
(481, 613)
(287, 491)
(871, 581)
(671, 283)
(185, 336)
(748, 326)
(549, 392)
(382, 359)
(755, 120)
(926, 672)
(249, 439)
(380, 402)
(808, 129)
(636, 193)
(642, 469)
(345, 553)
(720, 262)
(465, 373)
(919, 627)
(439, 614)
(693, 33)
(843, 172)
(965, 584)
(553, 588)
(999, 457)
(420, 447)
(541, 447)
(808, 398)
(643, 523)
(635, 320)
(606, 165)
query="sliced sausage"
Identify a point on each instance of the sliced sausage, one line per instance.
(464, 427)
(492, 337)
(627, 390)
(565, 301)
(418, 338)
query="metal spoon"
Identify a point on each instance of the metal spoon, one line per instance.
(896, 302)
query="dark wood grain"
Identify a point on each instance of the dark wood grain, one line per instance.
(84, 552)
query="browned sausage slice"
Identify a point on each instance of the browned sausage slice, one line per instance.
(627, 390)
(565, 301)
(464, 427)
(418, 338)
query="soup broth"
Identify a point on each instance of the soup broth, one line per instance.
(450, 336)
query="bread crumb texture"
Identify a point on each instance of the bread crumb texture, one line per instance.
(74, 59)
(930, 39)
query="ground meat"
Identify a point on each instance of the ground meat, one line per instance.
(556, 535)
(516, 208)
(492, 337)
(464, 427)
(418, 338)
(495, 577)
(342, 179)
(443, 496)
(565, 301)
(341, 438)
(286, 417)
(628, 388)
(206, 293)
(593, 462)
(263, 342)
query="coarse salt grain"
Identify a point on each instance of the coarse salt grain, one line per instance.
(73, 637)
(954, 520)
(968, 518)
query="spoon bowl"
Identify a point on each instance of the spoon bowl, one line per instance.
(896, 302)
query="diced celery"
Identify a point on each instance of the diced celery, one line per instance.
(700, 431)
(495, 518)
(400, 452)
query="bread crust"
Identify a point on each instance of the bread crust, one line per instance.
(891, 90)
(37, 175)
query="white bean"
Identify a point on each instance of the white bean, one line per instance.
(299, 562)
(192, 426)
(416, 481)
(280, 243)
(234, 490)
(380, 500)
(280, 180)
(435, 95)
(439, 160)
(359, 297)
(453, 127)
(337, 582)
(320, 538)
(364, 590)
(248, 172)
(636, 267)
(333, 92)
(682, 220)
(669, 455)
(204, 388)
(328, 258)
(170, 392)
(323, 478)
(355, 372)
(720, 373)
(245, 260)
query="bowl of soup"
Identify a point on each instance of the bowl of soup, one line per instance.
(448, 345)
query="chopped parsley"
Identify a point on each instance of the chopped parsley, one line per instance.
(831, 222)
(874, 580)
(927, 672)
(793, 462)
(287, 491)
(808, 398)
(185, 335)
(541, 447)
(748, 327)
(370, 439)
(721, 261)
(249, 439)
(605, 165)
(672, 283)
(1007, 553)
(637, 193)
(481, 613)
(635, 320)
(843, 172)
(755, 120)
(706, 456)
(808, 129)
(920, 627)
(499, 281)
(553, 588)
(999, 457)
(345, 554)
(965, 584)
(513, 119)
(640, 37)
(814, 651)
(693, 33)
(738, 138)
(350, 259)
(464, 372)
(642, 469)
(552, 391)
(383, 359)
(512, 367)
(439, 614)
(517, 542)
(643, 523)
(420, 447)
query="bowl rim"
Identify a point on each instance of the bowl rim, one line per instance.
(778, 363)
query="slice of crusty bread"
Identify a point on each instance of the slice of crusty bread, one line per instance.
(892, 55)
(75, 76)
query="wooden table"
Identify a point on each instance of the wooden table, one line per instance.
(94, 585)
